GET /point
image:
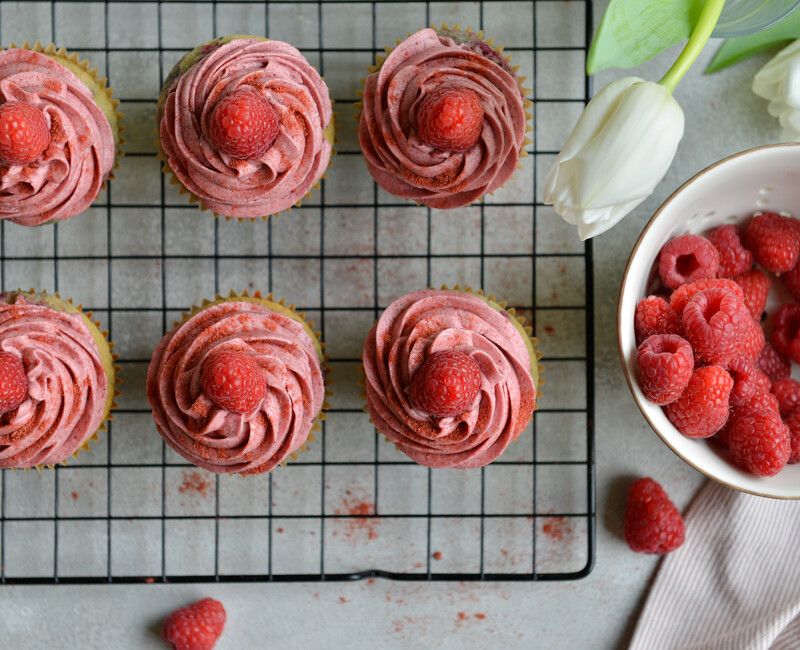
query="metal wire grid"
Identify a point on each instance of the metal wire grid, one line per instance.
(420, 571)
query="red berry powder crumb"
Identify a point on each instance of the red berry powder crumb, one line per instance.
(360, 524)
(195, 482)
(437, 555)
(556, 528)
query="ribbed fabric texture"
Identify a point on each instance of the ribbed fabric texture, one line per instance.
(734, 584)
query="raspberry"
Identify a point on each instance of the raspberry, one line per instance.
(446, 384)
(702, 409)
(760, 401)
(773, 364)
(243, 124)
(683, 294)
(734, 258)
(786, 332)
(196, 627)
(759, 441)
(233, 381)
(748, 381)
(666, 363)
(687, 258)
(655, 316)
(652, 522)
(774, 241)
(792, 422)
(719, 327)
(791, 280)
(755, 284)
(451, 120)
(787, 391)
(13, 382)
(24, 133)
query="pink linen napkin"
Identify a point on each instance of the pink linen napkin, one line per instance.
(734, 584)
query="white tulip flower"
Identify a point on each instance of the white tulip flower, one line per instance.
(618, 152)
(779, 82)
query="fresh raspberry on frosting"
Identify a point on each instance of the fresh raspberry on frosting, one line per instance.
(13, 382)
(665, 365)
(703, 408)
(243, 124)
(654, 315)
(446, 384)
(652, 522)
(687, 258)
(786, 332)
(734, 258)
(24, 134)
(774, 241)
(451, 120)
(195, 627)
(233, 381)
(684, 293)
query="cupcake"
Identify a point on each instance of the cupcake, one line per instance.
(246, 126)
(57, 380)
(238, 385)
(450, 377)
(59, 132)
(444, 119)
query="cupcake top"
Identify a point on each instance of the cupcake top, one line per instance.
(53, 167)
(54, 390)
(246, 126)
(443, 121)
(450, 378)
(237, 387)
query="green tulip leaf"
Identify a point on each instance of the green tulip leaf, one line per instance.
(634, 31)
(738, 49)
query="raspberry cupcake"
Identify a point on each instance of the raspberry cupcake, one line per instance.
(238, 385)
(59, 133)
(57, 380)
(450, 377)
(246, 126)
(444, 118)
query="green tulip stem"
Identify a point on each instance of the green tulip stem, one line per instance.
(697, 41)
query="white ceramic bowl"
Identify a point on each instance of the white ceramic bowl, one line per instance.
(765, 178)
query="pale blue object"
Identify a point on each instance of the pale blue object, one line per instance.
(742, 17)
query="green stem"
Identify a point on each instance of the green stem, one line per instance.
(697, 41)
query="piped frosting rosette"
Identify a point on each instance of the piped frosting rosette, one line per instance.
(464, 349)
(239, 385)
(246, 126)
(57, 380)
(444, 119)
(71, 127)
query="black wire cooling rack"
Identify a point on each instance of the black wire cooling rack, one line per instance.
(130, 510)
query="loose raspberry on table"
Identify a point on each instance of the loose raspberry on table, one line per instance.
(687, 258)
(652, 522)
(196, 627)
(785, 336)
(773, 364)
(719, 327)
(243, 124)
(748, 381)
(683, 294)
(24, 133)
(734, 258)
(233, 381)
(702, 409)
(759, 441)
(787, 391)
(654, 315)
(665, 363)
(792, 422)
(451, 120)
(13, 382)
(446, 384)
(774, 241)
(755, 285)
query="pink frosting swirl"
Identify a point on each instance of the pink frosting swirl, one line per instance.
(67, 386)
(423, 64)
(426, 322)
(223, 441)
(294, 162)
(67, 177)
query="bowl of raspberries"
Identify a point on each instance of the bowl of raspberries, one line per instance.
(709, 321)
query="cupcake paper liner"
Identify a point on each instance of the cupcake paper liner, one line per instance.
(105, 348)
(102, 92)
(186, 62)
(281, 306)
